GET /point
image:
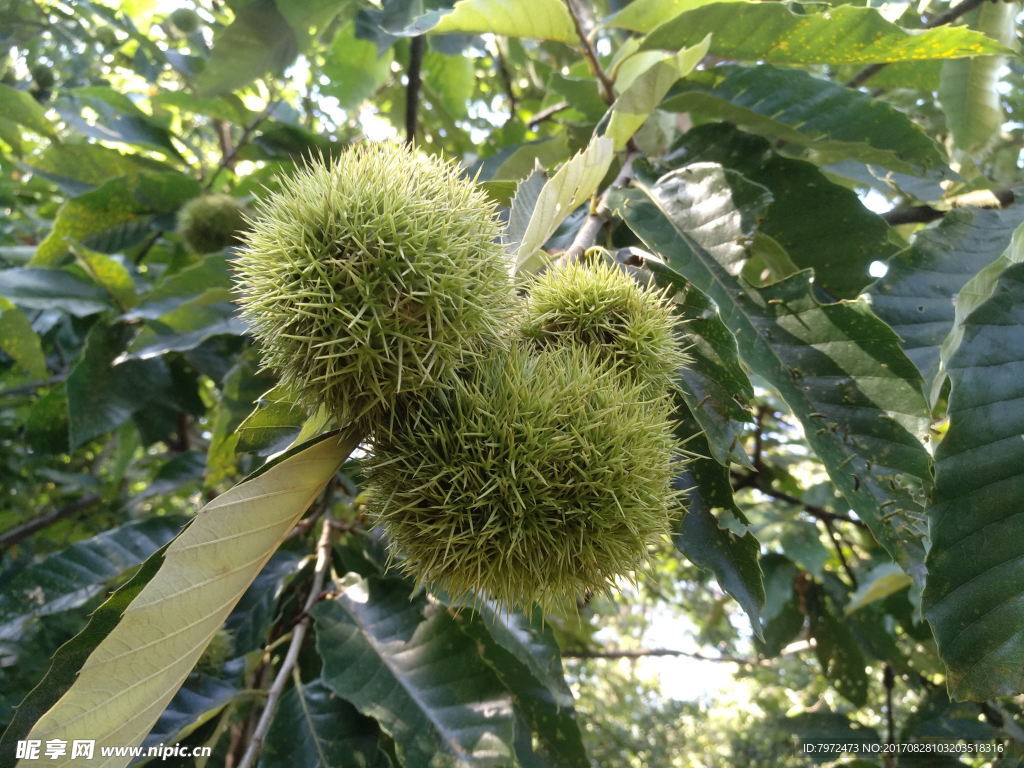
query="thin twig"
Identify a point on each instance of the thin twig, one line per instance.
(943, 18)
(837, 544)
(923, 214)
(587, 235)
(645, 652)
(247, 132)
(506, 79)
(607, 91)
(32, 386)
(547, 113)
(412, 90)
(323, 559)
(11, 537)
(751, 480)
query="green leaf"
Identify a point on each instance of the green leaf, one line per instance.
(315, 728)
(198, 700)
(116, 215)
(136, 669)
(355, 68)
(405, 663)
(968, 89)
(69, 658)
(542, 19)
(844, 34)
(186, 327)
(885, 580)
(525, 658)
(32, 288)
(19, 107)
(101, 395)
(807, 212)
(275, 418)
(258, 41)
(77, 168)
(797, 107)
(918, 294)
(824, 727)
(731, 556)
(837, 649)
(117, 119)
(644, 92)
(450, 80)
(573, 183)
(71, 577)
(838, 367)
(972, 596)
(19, 341)
(521, 209)
(109, 273)
(207, 279)
(645, 15)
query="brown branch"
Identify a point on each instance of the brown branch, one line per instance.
(228, 160)
(751, 480)
(837, 544)
(547, 113)
(923, 214)
(943, 18)
(12, 536)
(412, 89)
(646, 652)
(598, 217)
(291, 658)
(506, 78)
(607, 91)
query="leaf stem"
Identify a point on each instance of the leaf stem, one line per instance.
(604, 83)
(323, 559)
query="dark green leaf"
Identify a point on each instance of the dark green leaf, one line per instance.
(258, 41)
(917, 295)
(406, 664)
(819, 224)
(117, 119)
(77, 168)
(838, 367)
(199, 699)
(973, 594)
(315, 728)
(19, 107)
(19, 341)
(52, 289)
(706, 537)
(795, 106)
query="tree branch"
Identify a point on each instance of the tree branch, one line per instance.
(506, 78)
(547, 113)
(412, 89)
(943, 18)
(323, 559)
(605, 85)
(598, 217)
(923, 214)
(750, 480)
(12, 536)
(837, 544)
(228, 160)
(643, 653)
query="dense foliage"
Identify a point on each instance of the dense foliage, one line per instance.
(830, 195)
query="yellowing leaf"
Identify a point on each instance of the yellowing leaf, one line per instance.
(645, 90)
(574, 182)
(542, 19)
(134, 672)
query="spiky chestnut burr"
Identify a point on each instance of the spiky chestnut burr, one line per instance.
(211, 222)
(373, 275)
(538, 477)
(599, 305)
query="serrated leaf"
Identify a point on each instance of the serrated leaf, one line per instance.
(117, 118)
(968, 89)
(315, 728)
(116, 215)
(797, 107)
(521, 209)
(109, 273)
(258, 41)
(845, 34)
(19, 107)
(33, 288)
(574, 182)
(732, 557)
(69, 578)
(645, 90)
(645, 15)
(807, 210)
(838, 366)
(972, 595)
(136, 669)
(917, 296)
(525, 658)
(405, 663)
(77, 168)
(540, 19)
(19, 341)
(355, 68)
